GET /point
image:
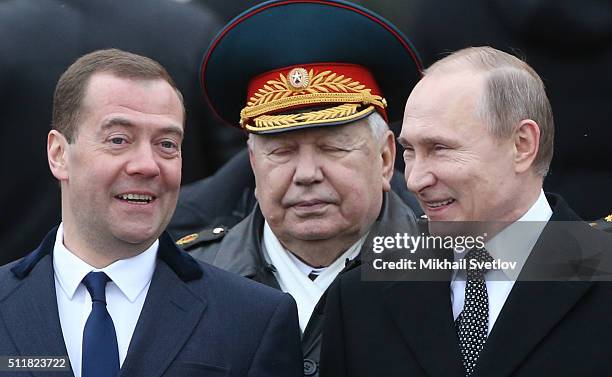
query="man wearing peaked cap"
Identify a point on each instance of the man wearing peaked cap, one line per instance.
(314, 83)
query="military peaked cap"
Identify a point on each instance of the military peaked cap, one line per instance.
(291, 64)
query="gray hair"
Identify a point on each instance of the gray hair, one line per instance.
(378, 126)
(513, 92)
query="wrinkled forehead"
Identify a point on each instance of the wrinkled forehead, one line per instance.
(443, 91)
(153, 95)
(444, 101)
(130, 101)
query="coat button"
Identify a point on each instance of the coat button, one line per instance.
(310, 367)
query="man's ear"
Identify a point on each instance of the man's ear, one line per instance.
(57, 149)
(526, 145)
(387, 151)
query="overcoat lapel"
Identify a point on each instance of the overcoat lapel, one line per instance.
(422, 311)
(529, 315)
(168, 318)
(171, 311)
(534, 308)
(30, 314)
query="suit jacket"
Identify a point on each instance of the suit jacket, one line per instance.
(194, 321)
(546, 328)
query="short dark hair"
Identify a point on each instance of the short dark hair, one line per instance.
(71, 87)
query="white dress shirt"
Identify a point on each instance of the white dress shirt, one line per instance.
(514, 243)
(125, 295)
(292, 274)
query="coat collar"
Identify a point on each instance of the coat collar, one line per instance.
(241, 250)
(29, 309)
(241, 247)
(544, 302)
(156, 342)
(422, 311)
(185, 267)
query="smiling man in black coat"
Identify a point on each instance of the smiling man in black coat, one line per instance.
(478, 141)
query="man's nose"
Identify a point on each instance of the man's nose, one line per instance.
(418, 175)
(143, 161)
(308, 168)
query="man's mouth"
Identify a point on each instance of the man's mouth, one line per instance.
(136, 198)
(438, 204)
(309, 208)
(310, 203)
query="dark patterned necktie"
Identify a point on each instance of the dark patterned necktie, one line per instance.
(100, 353)
(473, 322)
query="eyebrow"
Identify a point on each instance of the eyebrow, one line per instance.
(118, 121)
(403, 142)
(427, 140)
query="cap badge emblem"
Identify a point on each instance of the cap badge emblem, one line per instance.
(298, 78)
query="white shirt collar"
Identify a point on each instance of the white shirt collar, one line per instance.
(515, 242)
(539, 211)
(303, 267)
(273, 244)
(292, 274)
(130, 275)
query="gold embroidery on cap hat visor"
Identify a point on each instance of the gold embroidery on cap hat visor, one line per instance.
(324, 88)
(338, 114)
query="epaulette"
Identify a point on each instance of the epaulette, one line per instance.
(207, 235)
(605, 224)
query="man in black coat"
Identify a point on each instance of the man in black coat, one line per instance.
(478, 141)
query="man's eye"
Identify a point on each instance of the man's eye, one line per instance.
(280, 151)
(168, 144)
(117, 140)
(440, 147)
(333, 149)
